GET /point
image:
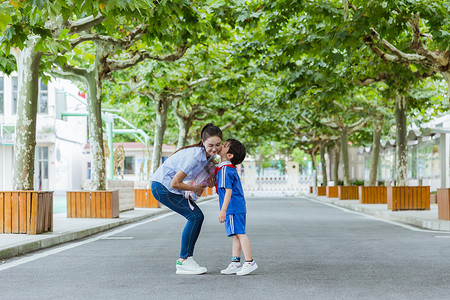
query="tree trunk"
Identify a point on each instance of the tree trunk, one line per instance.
(377, 125)
(162, 108)
(314, 165)
(259, 161)
(337, 158)
(323, 163)
(94, 106)
(28, 88)
(184, 124)
(344, 145)
(401, 140)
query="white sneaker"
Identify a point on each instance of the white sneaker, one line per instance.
(190, 267)
(247, 267)
(232, 268)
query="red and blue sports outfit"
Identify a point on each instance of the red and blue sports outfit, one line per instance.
(227, 177)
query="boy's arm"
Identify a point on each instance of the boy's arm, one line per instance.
(226, 201)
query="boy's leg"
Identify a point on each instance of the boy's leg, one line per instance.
(249, 264)
(244, 242)
(237, 249)
(235, 265)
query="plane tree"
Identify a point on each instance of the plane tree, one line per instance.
(119, 42)
(32, 33)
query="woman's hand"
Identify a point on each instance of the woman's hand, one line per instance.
(212, 181)
(198, 189)
(222, 216)
(177, 183)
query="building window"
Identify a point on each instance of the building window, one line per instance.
(43, 98)
(42, 164)
(129, 165)
(2, 92)
(15, 89)
(429, 163)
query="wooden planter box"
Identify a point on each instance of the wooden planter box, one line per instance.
(28, 212)
(93, 204)
(144, 198)
(348, 192)
(332, 191)
(212, 191)
(408, 197)
(372, 195)
(443, 200)
(321, 191)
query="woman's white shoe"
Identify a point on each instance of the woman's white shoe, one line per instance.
(190, 267)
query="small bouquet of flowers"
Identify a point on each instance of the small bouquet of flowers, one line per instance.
(202, 177)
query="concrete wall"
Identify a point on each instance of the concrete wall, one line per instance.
(126, 193)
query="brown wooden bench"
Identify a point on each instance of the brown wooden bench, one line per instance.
(28, 212)
(443, 200)
(372, 195)
(93, 204)
(348, 192)
(408, 197)
(332, 191)
(144, 198)
(321, 191)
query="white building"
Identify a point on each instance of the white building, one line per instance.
(59, 142)
(428, 156)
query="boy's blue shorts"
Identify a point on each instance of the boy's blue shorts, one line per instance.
(235, 224)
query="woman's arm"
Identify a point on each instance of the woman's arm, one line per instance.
(177, 183)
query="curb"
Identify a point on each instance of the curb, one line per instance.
(437, 225)
(23, 248)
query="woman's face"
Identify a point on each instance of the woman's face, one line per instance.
(213, 144)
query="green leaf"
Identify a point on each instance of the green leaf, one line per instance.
(5, 20)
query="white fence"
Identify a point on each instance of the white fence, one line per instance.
(292, 183)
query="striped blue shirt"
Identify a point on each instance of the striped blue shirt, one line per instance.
(228, 178)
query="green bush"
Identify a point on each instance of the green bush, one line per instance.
(357, 182)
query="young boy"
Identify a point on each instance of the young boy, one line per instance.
(232, 207)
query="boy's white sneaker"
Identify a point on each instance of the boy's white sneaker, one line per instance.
(247, 268)
(232, 268)
(190, 267)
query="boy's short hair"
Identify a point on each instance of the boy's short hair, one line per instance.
(238, 150)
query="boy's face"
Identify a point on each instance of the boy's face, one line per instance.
(224, 151)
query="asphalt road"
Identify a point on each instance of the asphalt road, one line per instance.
(304, 249)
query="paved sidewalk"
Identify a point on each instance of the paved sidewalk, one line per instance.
(70, 229)
(427, 219)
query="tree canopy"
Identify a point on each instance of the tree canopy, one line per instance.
(307, 74)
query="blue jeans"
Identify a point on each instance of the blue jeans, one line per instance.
(180, 205)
